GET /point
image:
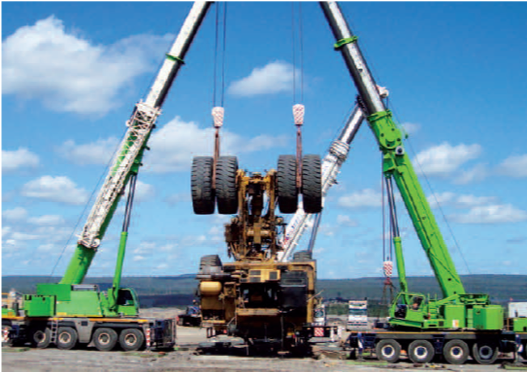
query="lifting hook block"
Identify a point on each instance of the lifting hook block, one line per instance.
(217, 116)
(298, 113)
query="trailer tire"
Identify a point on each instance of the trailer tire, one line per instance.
(388, 350)
(131, 339)
(456, 351)
(226, 191)
(286, 189)
(41, 338)
(201, 185)
(104, 339)
(66, 338)
(311, 184)
(485, 352)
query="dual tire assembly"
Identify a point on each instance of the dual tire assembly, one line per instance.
(204, 196)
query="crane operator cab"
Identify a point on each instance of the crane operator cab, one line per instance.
(408, 306)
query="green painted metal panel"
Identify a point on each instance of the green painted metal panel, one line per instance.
(489, 317)
(61, 291)
(39, 306)
(519, 324)
(455, 316)
(82, 303)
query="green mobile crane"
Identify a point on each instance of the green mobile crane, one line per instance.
(421, 325)
(70, 312)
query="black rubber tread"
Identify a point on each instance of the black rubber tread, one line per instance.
(417, 345)
(131, 339)
(456, 352)
(302, 256)
(66, 338)
(226, 190)
(286, 190)
(480, 357)
(210, 260)
(41, 337)
(390, 358)
(201, 185)
(104, 339)
(311, 184)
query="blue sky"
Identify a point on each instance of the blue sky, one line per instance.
(72, 73)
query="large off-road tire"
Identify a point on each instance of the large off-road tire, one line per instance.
(201, 185)
(456, 351)
(485, 352)
(226, 190)
(286, 184)
(104, 339)
(388, 350)
(41, 337)
(311, 184)
(66, 338)
(131, 339)
(302, 256)
(210, 260)
(421, 351)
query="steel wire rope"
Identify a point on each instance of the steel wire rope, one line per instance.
(414, 155)
(89, 202)
(221, 64)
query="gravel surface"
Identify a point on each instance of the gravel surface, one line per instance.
(189, 359)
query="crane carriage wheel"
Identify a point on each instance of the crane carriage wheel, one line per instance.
(66, 338)
(41, 337)
(456, 352)
(226, 193)
(286, 184)
(485, 352)
(311, 184)
(388, 350)
(104, 339)
(131, 339)
(201, 185)
(421, 351)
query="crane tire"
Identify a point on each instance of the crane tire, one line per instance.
(456, 351)
(421, 351)
(311, 184)
(286, 184)
(226, 190)
(388, 350)
(66, 338)
(41, 337)
(201, 185)
(485, 352)
(104, 339)
(131, 339)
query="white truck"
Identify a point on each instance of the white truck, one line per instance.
(357, 315)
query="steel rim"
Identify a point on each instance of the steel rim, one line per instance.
(486, 352)
(130, 339)
(104, 338)
(457, 352)
(65, 337)
(388, 351)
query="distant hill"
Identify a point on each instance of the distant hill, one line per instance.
(180, 290)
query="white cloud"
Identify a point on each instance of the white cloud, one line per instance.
(68, 72)
(514, 166)
(6, 230)
(98, 152)
(477, 173)
(444, 159)
(459, 201)
(363, 198)
(138, 258)
(47, 220)
(174, 145)
(491, 214)
(143, 192)
(15, 214)
(275, 77)
(345, 220)
(440, 199)
(58, 189)
(411, 128)
(21, 158)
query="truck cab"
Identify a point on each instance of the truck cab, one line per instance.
(357, 315)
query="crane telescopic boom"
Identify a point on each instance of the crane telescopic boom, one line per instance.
(128, 159)
(396, 162)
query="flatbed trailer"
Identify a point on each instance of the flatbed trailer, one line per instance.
(104, 333)
(424, 346)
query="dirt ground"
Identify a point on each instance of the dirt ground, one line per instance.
(187, 358)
